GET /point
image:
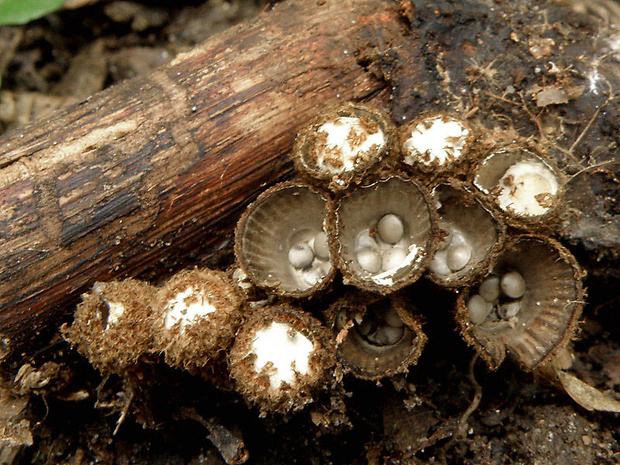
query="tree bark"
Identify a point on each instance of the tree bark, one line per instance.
(159, 167)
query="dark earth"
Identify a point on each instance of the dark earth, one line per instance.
(545, 70)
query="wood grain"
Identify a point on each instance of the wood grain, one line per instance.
(158, 168)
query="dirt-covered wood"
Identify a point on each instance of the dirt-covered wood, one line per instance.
(159, 167)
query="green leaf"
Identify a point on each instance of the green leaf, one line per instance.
(14, 12)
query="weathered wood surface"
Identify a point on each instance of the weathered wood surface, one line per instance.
(161, 166)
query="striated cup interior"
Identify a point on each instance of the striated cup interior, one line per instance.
(277, 240)
(381, 338)
(546, 310)
(470, 234)
(374, 260)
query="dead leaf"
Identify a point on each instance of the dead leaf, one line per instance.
(551, 96)
(587, 396)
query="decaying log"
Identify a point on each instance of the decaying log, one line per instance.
(160, 166)
(152, 174)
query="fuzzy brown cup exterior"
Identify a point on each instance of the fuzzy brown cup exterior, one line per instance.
(276, 241)
(435, 144)
(340, 146)
(265, 359)
(525, 186)
(542, 318)
(112, 326)
(252, 294)
(196, 315)
(472, 235)
(385, 234)
(376, 337)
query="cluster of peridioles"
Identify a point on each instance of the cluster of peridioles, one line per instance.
(380, 207)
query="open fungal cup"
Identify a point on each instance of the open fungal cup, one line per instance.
(280, 358)
(340, 146)
(384, 234)
(112, 325)
(197, 313)
(471, 236)
(281, 241)
(435, 142)
(376, 338)
(524, 185)
(528, 305)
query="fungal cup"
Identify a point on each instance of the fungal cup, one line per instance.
(472, 235)
(384, 234)
(340, 146)
(280, 358)
(524, 185)
(528, 305)
(377, 337)
(281, 242)
(112, 325)
(196, 315)
(435, 142)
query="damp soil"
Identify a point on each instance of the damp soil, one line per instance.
(513, 65)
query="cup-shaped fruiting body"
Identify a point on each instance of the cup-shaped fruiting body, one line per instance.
(281, 357)
(281, 241)
(524, 185)
(528, 305)
(435, 142)
(196, 315)
(384, 234)
(112, 325)
(376, 337)
(340, 146)
(471, 236)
